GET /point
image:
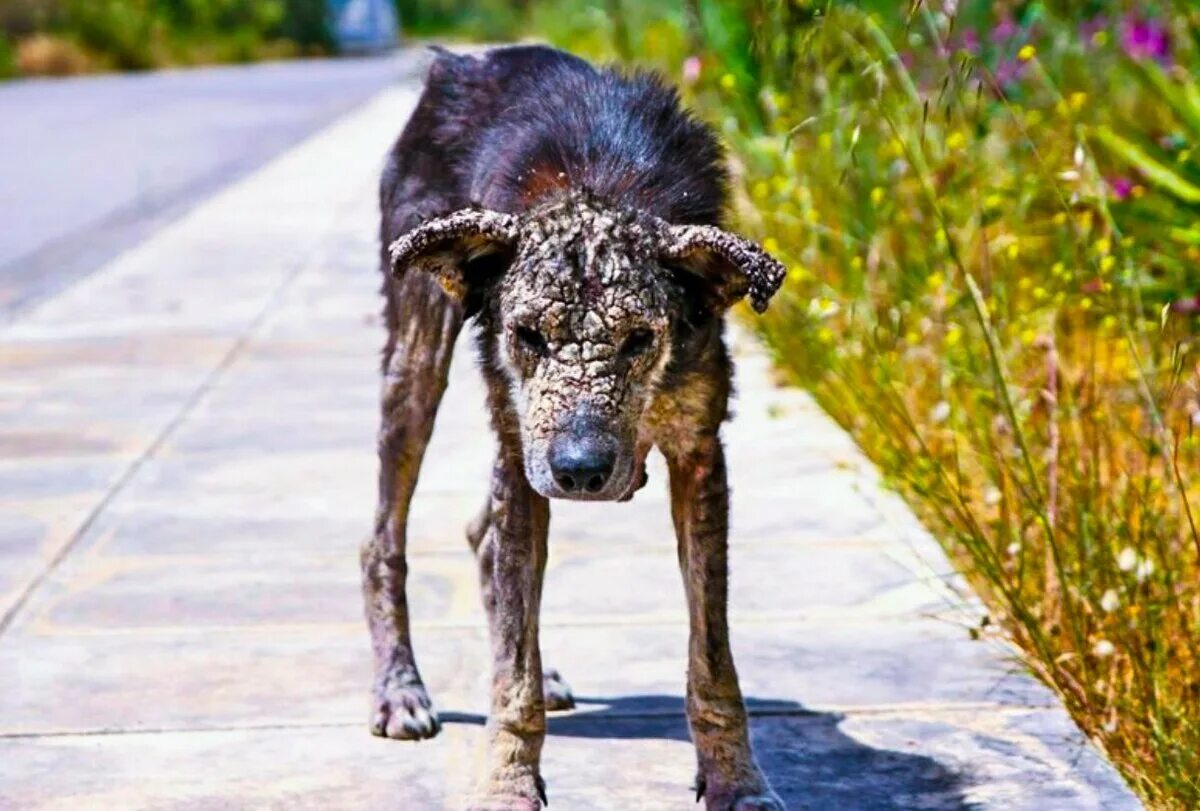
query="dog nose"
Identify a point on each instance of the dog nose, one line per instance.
(581, 464)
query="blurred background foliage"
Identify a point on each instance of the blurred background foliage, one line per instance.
(58, 37)
(990, 215)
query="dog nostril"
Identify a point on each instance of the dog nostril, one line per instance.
(582, 464)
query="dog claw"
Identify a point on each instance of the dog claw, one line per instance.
(541, 790)
(700, 786)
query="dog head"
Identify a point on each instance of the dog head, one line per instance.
(585, 300)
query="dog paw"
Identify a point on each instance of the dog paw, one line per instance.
(756, 797)
(508, 795)
(758, 802)
(403, 712)
(557, 692)
(504, 802)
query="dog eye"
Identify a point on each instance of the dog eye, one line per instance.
(532, 341)
(637, 343)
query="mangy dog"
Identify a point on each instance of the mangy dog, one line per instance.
(574, 214)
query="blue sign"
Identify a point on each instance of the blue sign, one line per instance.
(363, 25)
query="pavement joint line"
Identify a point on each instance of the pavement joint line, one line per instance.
(194, 399)
(479, 625)
(469, 718)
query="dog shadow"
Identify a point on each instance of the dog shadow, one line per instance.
(810, 762)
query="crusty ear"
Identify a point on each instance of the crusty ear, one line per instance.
(443, 246)
(733, 266)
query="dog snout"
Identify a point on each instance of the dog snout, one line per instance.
(582, 464)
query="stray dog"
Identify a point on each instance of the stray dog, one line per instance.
(574, 214)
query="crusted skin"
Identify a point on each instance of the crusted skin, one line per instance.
(575, 215)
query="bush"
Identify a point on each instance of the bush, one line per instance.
(140, 34)
(8, 58)
(305, 22)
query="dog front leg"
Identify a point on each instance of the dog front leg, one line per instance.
(513, 561)
(417, 365)
(727, 776)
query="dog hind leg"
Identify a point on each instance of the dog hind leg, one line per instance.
(555, 689)
(423, 327)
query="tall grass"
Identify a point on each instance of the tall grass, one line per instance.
(989, 213)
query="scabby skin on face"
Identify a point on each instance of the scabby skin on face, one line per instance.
(584, 335)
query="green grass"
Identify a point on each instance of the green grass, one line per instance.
(994, 264)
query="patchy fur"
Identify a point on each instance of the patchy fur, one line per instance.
(575, 215)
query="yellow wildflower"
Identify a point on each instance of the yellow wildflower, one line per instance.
(1026, 53)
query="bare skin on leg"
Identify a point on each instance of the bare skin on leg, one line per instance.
(512, 558)
(728, 778)
(416, 365)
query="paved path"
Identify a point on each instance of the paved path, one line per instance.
(187, 470)
(91, 166)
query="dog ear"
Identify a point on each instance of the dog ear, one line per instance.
(448, 246)
(733, 267)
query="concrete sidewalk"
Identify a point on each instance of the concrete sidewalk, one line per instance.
(187, 470)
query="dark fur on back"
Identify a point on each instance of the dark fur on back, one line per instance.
(507, 129)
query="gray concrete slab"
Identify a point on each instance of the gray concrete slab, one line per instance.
(189, 470)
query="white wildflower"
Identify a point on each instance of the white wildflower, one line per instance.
(1127, 560)
(1104, 649)
(1144, 569)
(1110, 602)
(1013, 549)
(940, 413)
(992, 496)
(823, 308)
